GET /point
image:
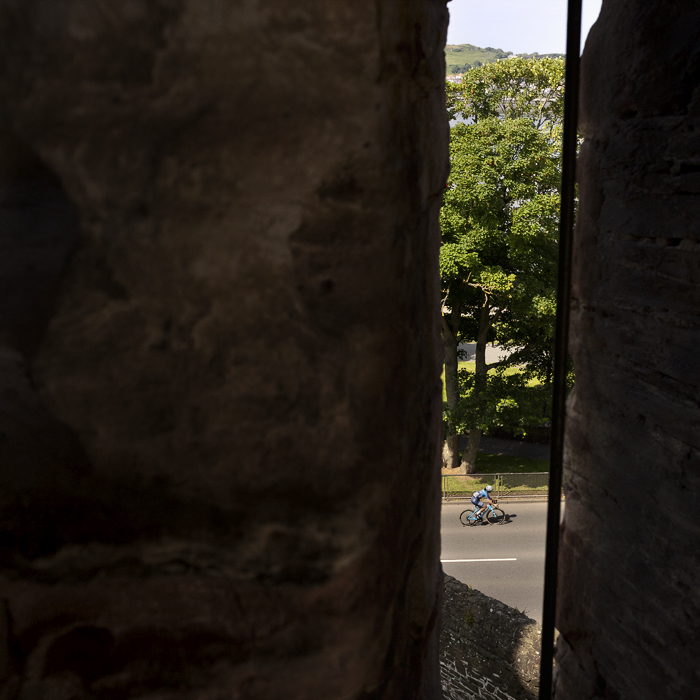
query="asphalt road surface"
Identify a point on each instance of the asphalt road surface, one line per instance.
(515, 575)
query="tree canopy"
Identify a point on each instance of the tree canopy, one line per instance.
(515, 88)
(499, 224)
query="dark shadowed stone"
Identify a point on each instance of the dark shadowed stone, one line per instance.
(629, 600)
(219, 356)
(488, 650)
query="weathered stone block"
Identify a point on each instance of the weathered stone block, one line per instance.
(220, 431)
(628, 580)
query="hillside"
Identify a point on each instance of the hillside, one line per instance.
(462, 57)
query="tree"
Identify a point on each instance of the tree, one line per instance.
(514, 88)
(499, 244)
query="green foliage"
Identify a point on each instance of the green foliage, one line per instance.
(533, 380)
(507, 400)
(540, 56)
(499, 223)
(518, 88)
(499, 227)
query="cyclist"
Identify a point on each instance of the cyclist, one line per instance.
(478, 495)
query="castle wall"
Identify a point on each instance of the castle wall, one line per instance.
(629, 599)
(220, 427)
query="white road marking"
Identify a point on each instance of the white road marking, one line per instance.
(455, 561)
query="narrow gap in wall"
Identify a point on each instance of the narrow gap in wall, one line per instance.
(505, 563)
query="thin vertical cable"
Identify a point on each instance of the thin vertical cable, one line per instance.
(561, 348)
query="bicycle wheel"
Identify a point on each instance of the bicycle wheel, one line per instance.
(495, 516)
(467, 517)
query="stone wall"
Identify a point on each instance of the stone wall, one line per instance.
(629, 599)
(488, 650)
(220, 400)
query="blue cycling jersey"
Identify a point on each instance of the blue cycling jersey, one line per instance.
(481, 494)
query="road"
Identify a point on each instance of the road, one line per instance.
(519, 542)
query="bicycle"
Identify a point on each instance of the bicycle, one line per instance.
(488, 516)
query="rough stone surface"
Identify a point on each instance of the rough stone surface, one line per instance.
(629, 600)
(488, 650)
(220, 403)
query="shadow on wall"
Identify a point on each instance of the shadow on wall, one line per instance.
(488, 650)
(38, 232)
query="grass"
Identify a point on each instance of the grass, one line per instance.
(488, 464)
(457, 55)
(463, 484)
(505, 464)
(475, 482)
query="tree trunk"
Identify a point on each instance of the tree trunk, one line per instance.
(469, 455)
(450, 452)
(450, 448)
(468, 465)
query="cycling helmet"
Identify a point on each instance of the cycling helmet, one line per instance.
(489, 488)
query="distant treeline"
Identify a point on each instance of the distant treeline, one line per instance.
(463, 57)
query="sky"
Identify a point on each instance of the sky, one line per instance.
(520, 26)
